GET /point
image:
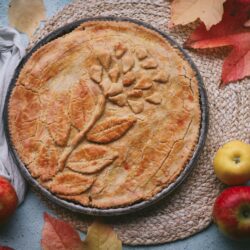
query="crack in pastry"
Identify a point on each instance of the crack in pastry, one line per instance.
(167, 156)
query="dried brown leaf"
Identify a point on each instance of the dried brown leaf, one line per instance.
(26, 15)
(184, 12)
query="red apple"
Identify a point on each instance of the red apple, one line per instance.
(8, 199)
(5, 248)
(231, 212)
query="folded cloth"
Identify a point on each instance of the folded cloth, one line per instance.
(12, 49)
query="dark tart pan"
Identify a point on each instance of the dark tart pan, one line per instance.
(142, 204)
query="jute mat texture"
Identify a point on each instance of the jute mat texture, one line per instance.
(188, 210)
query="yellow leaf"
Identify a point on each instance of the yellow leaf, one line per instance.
(101, 237)
(186, 11)
(25, 15)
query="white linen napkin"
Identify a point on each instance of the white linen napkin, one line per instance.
(12, 49)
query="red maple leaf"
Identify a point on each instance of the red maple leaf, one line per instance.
(244, 1)
(229, 32)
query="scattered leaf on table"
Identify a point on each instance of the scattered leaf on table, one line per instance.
(237, 65)
(244, 1)
(25, 15)
(5, 248)
(187, 11)
(229, 32)
(59, 235)
(234, 17)
(101, 237)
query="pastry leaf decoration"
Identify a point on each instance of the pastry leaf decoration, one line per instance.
(72, 118)
(57, 118)
(57, 234)
(90, 159)
(86, 108)
(122, 76)
(68, 183)
(44, 166)
(110, 129)
(82, 104)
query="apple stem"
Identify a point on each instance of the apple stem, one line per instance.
(246, 213)
(236, 160)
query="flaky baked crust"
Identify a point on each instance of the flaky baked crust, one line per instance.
(107, 115)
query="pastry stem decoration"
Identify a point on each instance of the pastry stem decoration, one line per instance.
(81, 135)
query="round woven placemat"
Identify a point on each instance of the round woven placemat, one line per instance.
(187, 210)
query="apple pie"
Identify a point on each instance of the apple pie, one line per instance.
(107, 115)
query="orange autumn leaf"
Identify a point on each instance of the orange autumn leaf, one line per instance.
(187, 11)
(59, 235)
(231, 31)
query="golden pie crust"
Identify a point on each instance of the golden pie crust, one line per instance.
(107, 115)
